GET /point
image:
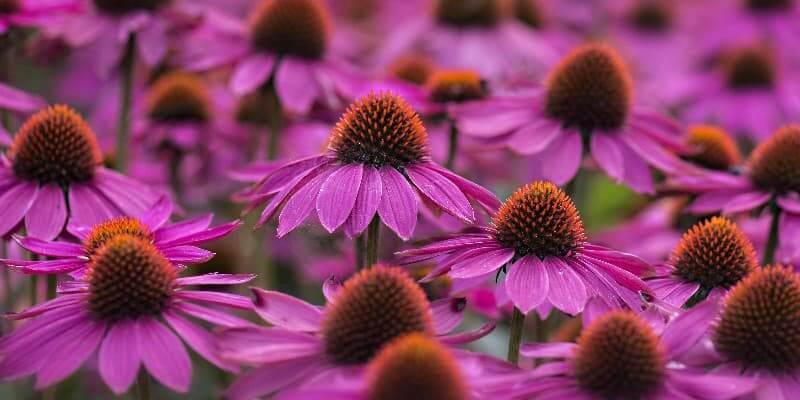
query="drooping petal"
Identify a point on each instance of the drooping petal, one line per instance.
(300, 205)
(251, 73)
(67, 356)
(548, 350)
(119, 360)
(682, 333)
(447, 314)
(198, 339)
(527, 283)
(398, 206)
(469, 336)
(296, 85)
(172, 233)
(338, 195)
(218, 298)
(48, 213)
(562, 159)
(163, 354)
(286, 311)
(442, 192)
(187, 254)
(606, 151)
(483, 196)
(15, 201)
(59, 266)
(215, 279)
(52, 249)
(745, 202)
(567, 291)
(87, 207)
(203, 236)
(272, 377)
(485, 263)
(158, 214)
(366, 205)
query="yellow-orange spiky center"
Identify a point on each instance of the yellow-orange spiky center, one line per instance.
(619, 356)
(55, 145)
(713, 147)
(540, 219)
(651, 16)
(749, 68)
(714, 253)
(179, 97)
(129, 278)
(468, 13)
(117, 7)
(415, 367)
(590, 90)
(529, 12)
(105, 231)
(456, 86)
(774, 164)
(760, 324)
(298, 28)
(373, 308)
(380, 129)
(415, 69)
(759, 6)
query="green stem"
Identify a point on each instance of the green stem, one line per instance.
(515, 336)
(143, 386)
(275, 122)
(52, 284)
(34, 290)
(373, 236)
(772, 240)
(360, 250)
(452, 149)
(126, 93)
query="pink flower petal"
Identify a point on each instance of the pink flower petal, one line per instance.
(527, 283)
(286, 311)
(199, 340)
(442, 192)
(296, 84)
(567, 290)
(163, 354)
(118, 359)
(366, 205)
(338, 195)
(48, 213)
(398, 206)
(251, 73)
(15, 201)
(606, 151)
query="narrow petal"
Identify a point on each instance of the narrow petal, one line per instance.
(682, 333)
(218, 298)
(187, 254)
(14, 204)
(180, 230)
(272, 377)
(300, 205)
(746, 202)
(606, 151)
(398, 206)
(52, 249)
(548, 350)
(251, 73)
(442, 192)
(366, 205)
(562, 159)
(198, 237)
(159, 214)
(483, 196)
(215, 279)
(527, 283)
(567, 290)
(296, 85)
(713, 386)
(447, 314)
(198, 339)
(490, 261)
(118, 360)
(87, 207)
(163, 354)
(152, 41)
(51, 267)
(338, 195)
(48, 213)
(469, 336)
(65, 358)
(211, 315)
(286, 311)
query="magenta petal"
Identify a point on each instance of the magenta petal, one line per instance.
(447, 314)
(50, 267)
(469, 336)
(163, 355)
(118, 360)
(251, 73)
(17, 100)
(715, 386)
(441, 192)
(534, 138)
(746, 202)
(562, 159)
(171, 234)
(789, 202)
(131, 197)
(482, 263)
(683, 332)
(296, 84)
(338, 195)
(527, 283)
(548, 350)
(330, 288)
(286, 311)
(152, 41)
(187, 254)
(159, 214)
(15, 201)
(202, 236)
(215, 279)
(271, 377)
(712, 201)
(567, 290)
(259, 345)
(484, 197)
(88, 207)
(398, 206)
(48, 213)
(52, 249)
(217, 298)
(366, 205)
(198, 339)
(606, 151)
(300, 205)
(637, 173)
(68, 356)
(221, 318)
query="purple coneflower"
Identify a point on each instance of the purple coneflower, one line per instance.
(32, 12)
(418, 367)
(53, 175)
(119, 310)
(620, 356)
(376, 168)
(308, 343)
(177, 242)
(753, 331)
(713, 255)
(587, 99)
(284, 43)
(769, 179)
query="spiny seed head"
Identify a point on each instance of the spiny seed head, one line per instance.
(374, 307)
(415, 69)
(749, 68)
(415, 367)
(128, 278)
(715, 149)
(117, 7)
(619, 356)
(456, 86)
(55, 145)
(774, 164)
(760, 324)
(714, 253)
(651, 16)
(179, 97)
(9, 6)
(298, 28)
(380, 129)
(529, 12)
(468, 13)
(105, 231)
(540, 219)
(759, 6)
(590, 89)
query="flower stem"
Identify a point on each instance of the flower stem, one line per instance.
(34, 289)
(143, 386)
(275, 121)
(515, 337)
(453, 145)
(373, 233)
(126, 93)
(52, 284)
(772, 240)
(359, 247)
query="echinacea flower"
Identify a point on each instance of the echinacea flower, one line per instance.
(619, 355)
(118, 311)
(370, 310)
(538, 238)
(587, 99)
(711, 147)
(32, 12)
(177, 242)
(753, 331)
(713, 255)
(285, 43)
(377, 163)
(53, 175)
(417, 367)
(751, 77)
